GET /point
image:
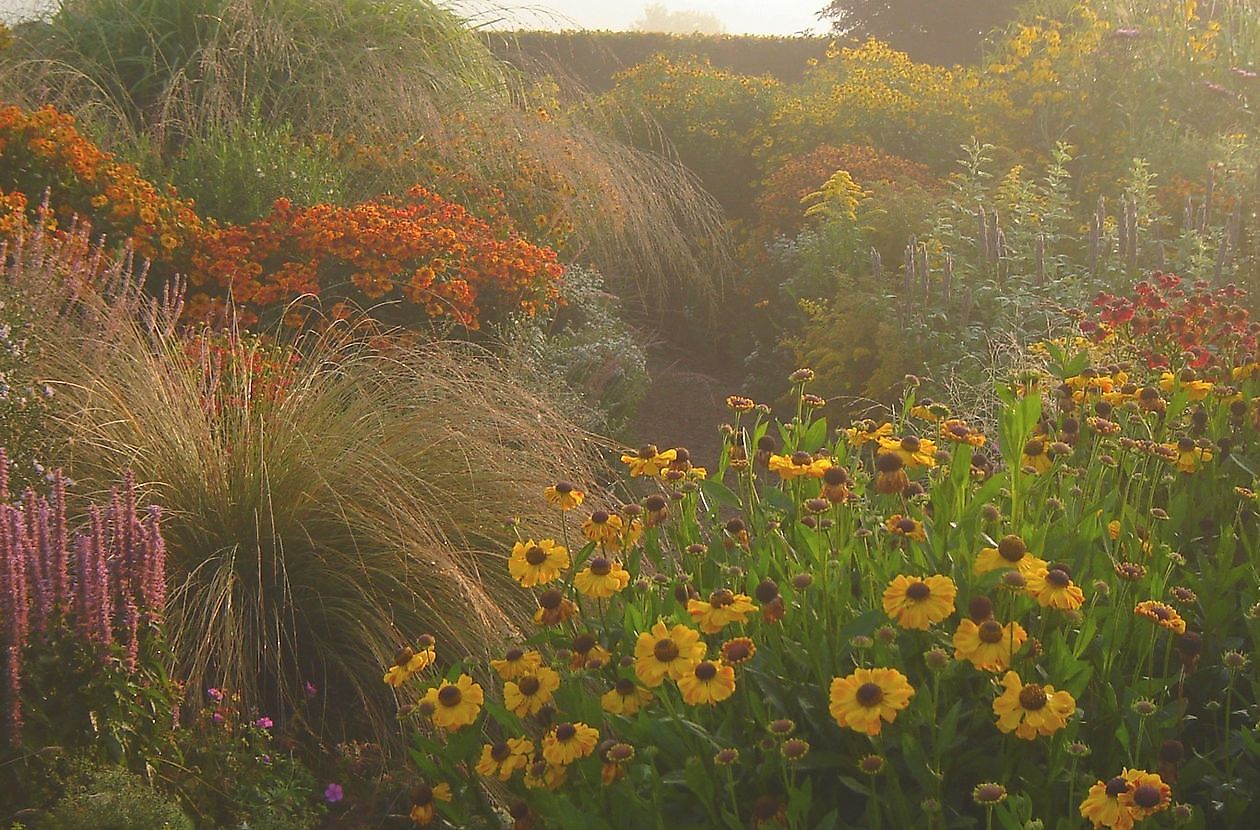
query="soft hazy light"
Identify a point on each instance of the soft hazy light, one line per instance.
(756, 17)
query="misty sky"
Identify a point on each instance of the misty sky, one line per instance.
(761, 17)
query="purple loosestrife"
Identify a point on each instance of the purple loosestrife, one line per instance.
(115, 578)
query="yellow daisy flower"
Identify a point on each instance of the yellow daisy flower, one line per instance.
(455, 705)
(601, 578)
(528, 694)
(707, 683)
(533, 564)
(1011, 552)
(503, 759)
(919, 603)
(798, 465)
(625, 698)
(864, 700)
(857, 436)
(989, 645)
(604, 528)
(1102, 805)
(1054, 588)
(569, 742)
(564, 495)
(424, 801)
(516, 663)
(720, 609)
(1162, 614)
(1032, 709)
(912, 450)
(663, 652)
(1146, 795)
(648, 461)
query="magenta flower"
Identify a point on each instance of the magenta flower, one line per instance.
(333, 793)
(215, 695)
(263, 723)
(310, 689)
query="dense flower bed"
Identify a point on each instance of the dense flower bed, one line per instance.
(906, 624)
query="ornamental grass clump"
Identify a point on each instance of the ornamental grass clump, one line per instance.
(325, 499)
(967, 640)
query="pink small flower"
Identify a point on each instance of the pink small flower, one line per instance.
(263, 723)
(215, 694)
(217, 717)
(310, 689)
(333, 793)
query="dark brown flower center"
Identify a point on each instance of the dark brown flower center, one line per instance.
(835, 476)
(514, 654)
(869, 694)
(906, 526)
(990, 632)
(550, 599)
(601, 566)
(706, 671)
(918, 591)
(600, 517)
(1032, 697)
(910, 443)
(980, 608)
(1147, 796)
(500, 751)
(535, 555)
(564, 488)
(800, 458)
(1034, 448)
(1012, 548)
(624, 686)
(565, 732)
(529, 685)
(583, 643)
(721, 598)
(665, 650)
(449, 696)
(888, 462)
(1116, 786)
(1058, 578)
(654, 503)
(422, 796)
(647, 451)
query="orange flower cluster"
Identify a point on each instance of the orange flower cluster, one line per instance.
(430, 252)
(43, 150)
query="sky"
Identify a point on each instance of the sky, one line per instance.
(759, 17)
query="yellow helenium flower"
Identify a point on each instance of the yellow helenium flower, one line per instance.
(857, 436)
(517, 663)
(1036, 456)
(722, 608)
(569, 742)
(624, 698)
(1188, 455)
(663, 652)
(989, 645)
(529, 693)
(601, 578)
(1196, 390)
(648, 462)
(1102, 805)
(503, 759)
(407, 662)
(913, 451)
(900, 525)
(533, 564)
(919, 603)
(1147, 794)
(1161, 613)
(798, 465)
(959, 432)
(457, 704)
(424, 799)
(1054, 588)
(1011, 552)
(540, 775)
(604, 528)
(865, 699)
(707, 683)
(564, 495)
(1031, 710)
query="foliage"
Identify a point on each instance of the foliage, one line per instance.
(432, 253)
(731, 643)
(235, 173)
(232, 771)
(715, 120)
(949, 32)
(875, 95)
(23, 399)
(584, 345)
(111, 798)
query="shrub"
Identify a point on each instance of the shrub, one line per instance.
(111, 798)
(445, 263)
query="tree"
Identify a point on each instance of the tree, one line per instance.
(936, 31)
(657, 18)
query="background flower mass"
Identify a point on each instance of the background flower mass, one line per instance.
(399, 325)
